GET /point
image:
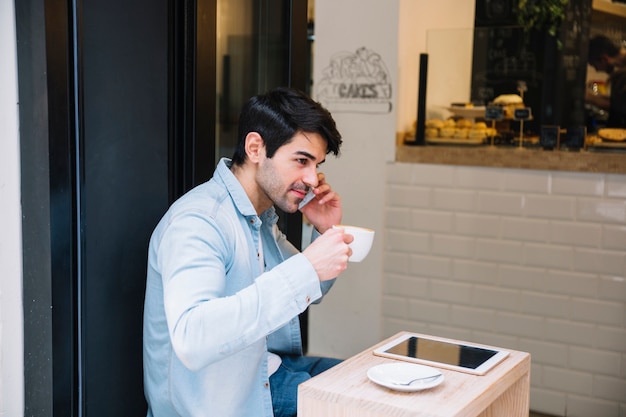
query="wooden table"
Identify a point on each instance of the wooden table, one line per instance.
(346, 391)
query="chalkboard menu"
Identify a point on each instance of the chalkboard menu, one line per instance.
(505, 57)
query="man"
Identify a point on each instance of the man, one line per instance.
(606, 56)
(225, 287)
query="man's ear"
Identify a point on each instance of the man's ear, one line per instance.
(254, 146)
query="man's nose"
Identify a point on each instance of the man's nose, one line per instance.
(310, 178)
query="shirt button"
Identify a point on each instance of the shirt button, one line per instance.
(308, 299)
(266, 384)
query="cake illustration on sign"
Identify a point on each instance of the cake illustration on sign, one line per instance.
(356, 82)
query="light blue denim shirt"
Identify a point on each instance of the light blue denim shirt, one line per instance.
(211, 314)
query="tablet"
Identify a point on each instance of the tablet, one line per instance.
(444, 353)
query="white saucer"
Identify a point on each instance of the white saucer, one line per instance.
(389, 373)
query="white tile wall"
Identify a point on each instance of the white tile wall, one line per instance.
(522, 259)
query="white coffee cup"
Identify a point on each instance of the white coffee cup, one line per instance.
(362, 243)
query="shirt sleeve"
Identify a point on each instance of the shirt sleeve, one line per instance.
(206, 324)
(288, 250)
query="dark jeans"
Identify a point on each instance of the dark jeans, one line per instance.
(293, 371)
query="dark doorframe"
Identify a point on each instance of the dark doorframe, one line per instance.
(105, 148)
(36, 230)
(117, 116)
(193, 90)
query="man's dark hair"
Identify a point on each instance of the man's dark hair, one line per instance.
(278, 116)
(601, 45)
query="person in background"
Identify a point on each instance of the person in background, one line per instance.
(224, 286)
(606, 56)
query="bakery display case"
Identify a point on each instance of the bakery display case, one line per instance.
(497, 96)
(473, 99)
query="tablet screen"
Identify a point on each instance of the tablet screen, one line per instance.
(443, 352)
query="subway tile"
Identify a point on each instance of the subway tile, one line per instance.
(612, 288)
(536, 374)
(432, 175)
(600, 261)
(394, 325)
(496, 298)
(499, 203)
(472, 318)
(399, 196)
(544, 305)
(474, 272)
(543, 253)
(616, 187)
(454, 199)
(450, 332)
(492, 338)
(478, 178)
(519, 325)
(601, 211)
(548, 256)
(522, 277)
(399, 173)
(396, 262)
(614, 237)
(578, 184)
(431, 221)
(545, 353)
(429, 311)
(571, 381)
(604, 313)
(610, 338)
(550, 207)
(548, 401)
(407, 242)
(395, 307)
(571, 283)
(406, 286)
(476, 225)
(452, 292)
(500, 251)
(397, 218)
(527, 181)
(576, 234)
(568, 332)
(453, 246)
(609, 388)
(594, 361)
(522, 229)
(431, 266)
(586, 406)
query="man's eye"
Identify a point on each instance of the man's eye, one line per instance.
(302, 161)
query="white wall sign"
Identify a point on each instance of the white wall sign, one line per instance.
(355, 82)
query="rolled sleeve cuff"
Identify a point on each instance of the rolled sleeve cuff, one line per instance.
(301, 280)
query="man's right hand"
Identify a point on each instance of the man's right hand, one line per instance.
(329, 253)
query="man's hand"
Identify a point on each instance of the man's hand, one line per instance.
(329, 253)
(324, 210)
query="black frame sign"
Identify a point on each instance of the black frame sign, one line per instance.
(550, 137)
(494, 113)
(524, 113)
(575, 137)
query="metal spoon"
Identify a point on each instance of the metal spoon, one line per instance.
(423, 378)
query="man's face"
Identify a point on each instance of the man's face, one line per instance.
(286, 177)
